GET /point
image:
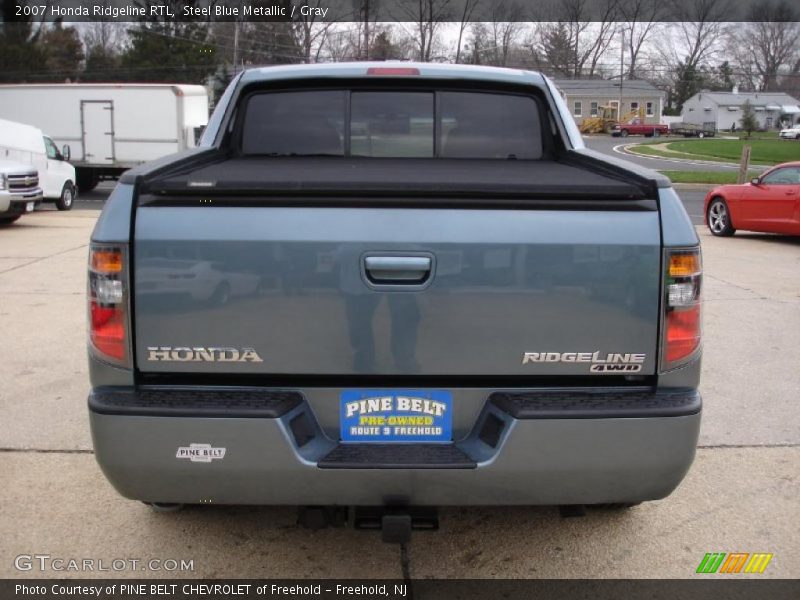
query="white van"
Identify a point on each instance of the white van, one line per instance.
(26, 144)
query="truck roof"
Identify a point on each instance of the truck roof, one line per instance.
(359, 69)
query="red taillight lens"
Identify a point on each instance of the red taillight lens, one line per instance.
(682, 302)
(683, 333)
(108, 330)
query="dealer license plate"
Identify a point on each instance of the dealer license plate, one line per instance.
(396, 416)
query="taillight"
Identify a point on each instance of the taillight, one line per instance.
(108, 318)
(682, 302)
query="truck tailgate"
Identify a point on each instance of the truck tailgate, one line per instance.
(429, 291)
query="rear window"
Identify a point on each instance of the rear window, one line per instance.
(295, 123)
(393, 124)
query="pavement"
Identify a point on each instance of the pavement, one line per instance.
(740, 495)
(616, 146)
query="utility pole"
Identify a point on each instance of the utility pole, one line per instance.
(235, 46)
(621, 70)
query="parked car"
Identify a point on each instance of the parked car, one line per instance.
(639, 127)
(769, 203)
(459, 304)
(790, 133)
(19, 190)
(26, 144)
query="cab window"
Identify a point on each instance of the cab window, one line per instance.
(50, 148)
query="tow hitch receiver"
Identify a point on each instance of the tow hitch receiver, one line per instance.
(396, 523)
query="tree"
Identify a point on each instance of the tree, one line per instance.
(585, 34)
(383, 48)
(769, 41)
(63, 52)
(468, 7)
(168, 50)
(103, 41)
(691, 41)
(748, 122)
(310, 34)
(428, 17)
(21, 58)
(641, 17)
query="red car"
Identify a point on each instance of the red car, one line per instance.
(769, 203)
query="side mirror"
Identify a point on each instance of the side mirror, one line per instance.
(65, 152)
(755, 181)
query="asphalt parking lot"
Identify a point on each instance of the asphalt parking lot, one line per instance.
(740, 495)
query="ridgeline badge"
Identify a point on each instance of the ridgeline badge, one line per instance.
(607, 363)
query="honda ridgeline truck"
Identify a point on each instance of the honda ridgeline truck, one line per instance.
(393, 286)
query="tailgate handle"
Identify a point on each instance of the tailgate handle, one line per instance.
(397, 269)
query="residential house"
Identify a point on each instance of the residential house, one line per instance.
(585, 97)
(723, 110)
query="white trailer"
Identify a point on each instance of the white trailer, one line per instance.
(110, 127)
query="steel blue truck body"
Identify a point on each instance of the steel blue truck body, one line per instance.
(258, 295)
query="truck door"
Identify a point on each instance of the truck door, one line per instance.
(97, 119)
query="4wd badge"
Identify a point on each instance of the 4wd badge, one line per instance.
(200, 453)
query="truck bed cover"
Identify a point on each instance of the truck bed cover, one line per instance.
(334, 176)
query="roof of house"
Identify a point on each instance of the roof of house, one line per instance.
(755, 98)
(605, 87)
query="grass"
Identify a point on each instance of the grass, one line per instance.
(711, 177)
(762, 151)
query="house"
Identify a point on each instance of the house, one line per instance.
(722, 110)
(585, 97)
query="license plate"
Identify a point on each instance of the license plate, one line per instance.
(29, 207)
(396, 416)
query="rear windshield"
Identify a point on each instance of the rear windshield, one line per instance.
(396, 124)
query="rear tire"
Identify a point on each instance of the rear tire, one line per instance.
(67, 198)
(718, 218)
(87, 180)
(8, 220)
(656, 133)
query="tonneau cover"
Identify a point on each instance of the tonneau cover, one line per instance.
(339, 175)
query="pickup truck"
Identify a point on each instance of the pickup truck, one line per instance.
(639, 127)
(451, 301)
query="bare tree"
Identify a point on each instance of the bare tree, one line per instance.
(641, 18)
(468, 7)
(691, 42)
(310, 32)
(505, 28)
(428, 17)
(769, 42)
(586, 29)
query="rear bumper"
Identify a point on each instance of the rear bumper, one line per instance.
(524, 449)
